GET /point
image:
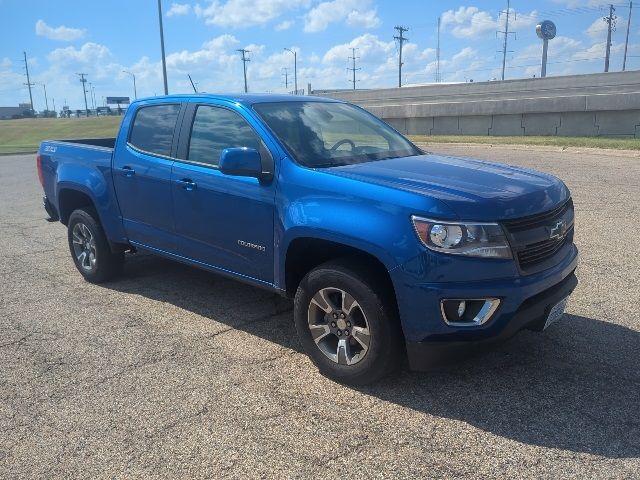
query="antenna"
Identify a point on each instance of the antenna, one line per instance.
(192, 84)
(353, 69)
(243, 53)
(401, 39)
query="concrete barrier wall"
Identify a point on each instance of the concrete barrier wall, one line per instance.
(604, 104)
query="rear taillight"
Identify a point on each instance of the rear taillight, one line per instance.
(39, 167)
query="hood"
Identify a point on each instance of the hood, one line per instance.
(474, 189)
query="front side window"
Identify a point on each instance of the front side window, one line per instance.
(330, 134)
(215, 129)
(153, 127)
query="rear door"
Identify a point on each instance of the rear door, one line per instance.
(222, 221)
(142, 176)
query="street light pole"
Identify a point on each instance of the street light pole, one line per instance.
(164, 61)
(295, 68)
(135, 91)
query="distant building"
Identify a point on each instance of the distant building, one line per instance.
(21, 111)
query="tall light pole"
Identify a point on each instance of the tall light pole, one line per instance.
(135, 91)
(295, 68)
(164, 61)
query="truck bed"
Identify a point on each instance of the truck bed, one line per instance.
(94, 142)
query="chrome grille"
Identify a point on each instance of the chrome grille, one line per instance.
(534, 239)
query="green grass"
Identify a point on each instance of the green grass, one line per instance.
(588, 142)
(25, 135)
(17, 136)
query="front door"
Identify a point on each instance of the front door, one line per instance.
(220, 220)
(142, 177)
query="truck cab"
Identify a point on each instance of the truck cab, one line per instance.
(388, 251)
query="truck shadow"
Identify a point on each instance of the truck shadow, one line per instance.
(576, 387)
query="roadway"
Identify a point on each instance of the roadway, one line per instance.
(175, 372)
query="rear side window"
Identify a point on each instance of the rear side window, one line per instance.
(215, 129)
(153, 128)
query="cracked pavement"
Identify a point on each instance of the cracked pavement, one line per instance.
(172, 372)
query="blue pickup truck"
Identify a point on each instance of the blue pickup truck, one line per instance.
(389, 253)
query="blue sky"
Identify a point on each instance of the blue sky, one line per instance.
(102, 39)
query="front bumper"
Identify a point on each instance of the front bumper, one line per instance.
(525, 303)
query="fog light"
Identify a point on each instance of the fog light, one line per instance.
(468, 312)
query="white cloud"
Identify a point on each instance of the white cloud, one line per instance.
(89, 53)
(369, 47)
(177, 9)
(63, 33)
(245, 13)
(471, 22)
(6, 63)
(598, 30)
(354, 12)
(287, 24)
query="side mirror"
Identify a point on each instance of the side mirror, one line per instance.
(241, 161)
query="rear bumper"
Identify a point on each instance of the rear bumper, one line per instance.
(53, 215)
(531, 314)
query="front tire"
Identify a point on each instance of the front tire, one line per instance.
(90, 249)
(346, 324)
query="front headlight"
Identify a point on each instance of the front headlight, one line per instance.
(471, 239)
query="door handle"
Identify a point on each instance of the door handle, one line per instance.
(128, 171)
(187, 184)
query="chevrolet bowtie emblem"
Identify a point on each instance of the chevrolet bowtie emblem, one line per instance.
(558, 230)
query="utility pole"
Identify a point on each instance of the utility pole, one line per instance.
(286, 78)
(611, 26)
(28, 84)
(46, 102)
(626, 42)
(401, 39)
(295, 68)
(353, 69)
(438, 79)
(164, 61)
(84, 91)
(135, 91)
(93, 100)
(243, 53)
(54, 104)
(506, 37)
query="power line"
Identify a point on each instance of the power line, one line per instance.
(401, 39)
(243, 53)
(611, 25)
(28, 84)
(626, 42)
(353, 58)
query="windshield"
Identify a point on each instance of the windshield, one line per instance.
(327, 134)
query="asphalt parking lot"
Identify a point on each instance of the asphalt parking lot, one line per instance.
(175, 372)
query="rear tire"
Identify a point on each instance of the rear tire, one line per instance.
(90, 249)
(347, 323)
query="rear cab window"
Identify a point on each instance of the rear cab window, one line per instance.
(153, 128)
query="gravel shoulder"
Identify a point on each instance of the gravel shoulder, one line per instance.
(172, 372)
